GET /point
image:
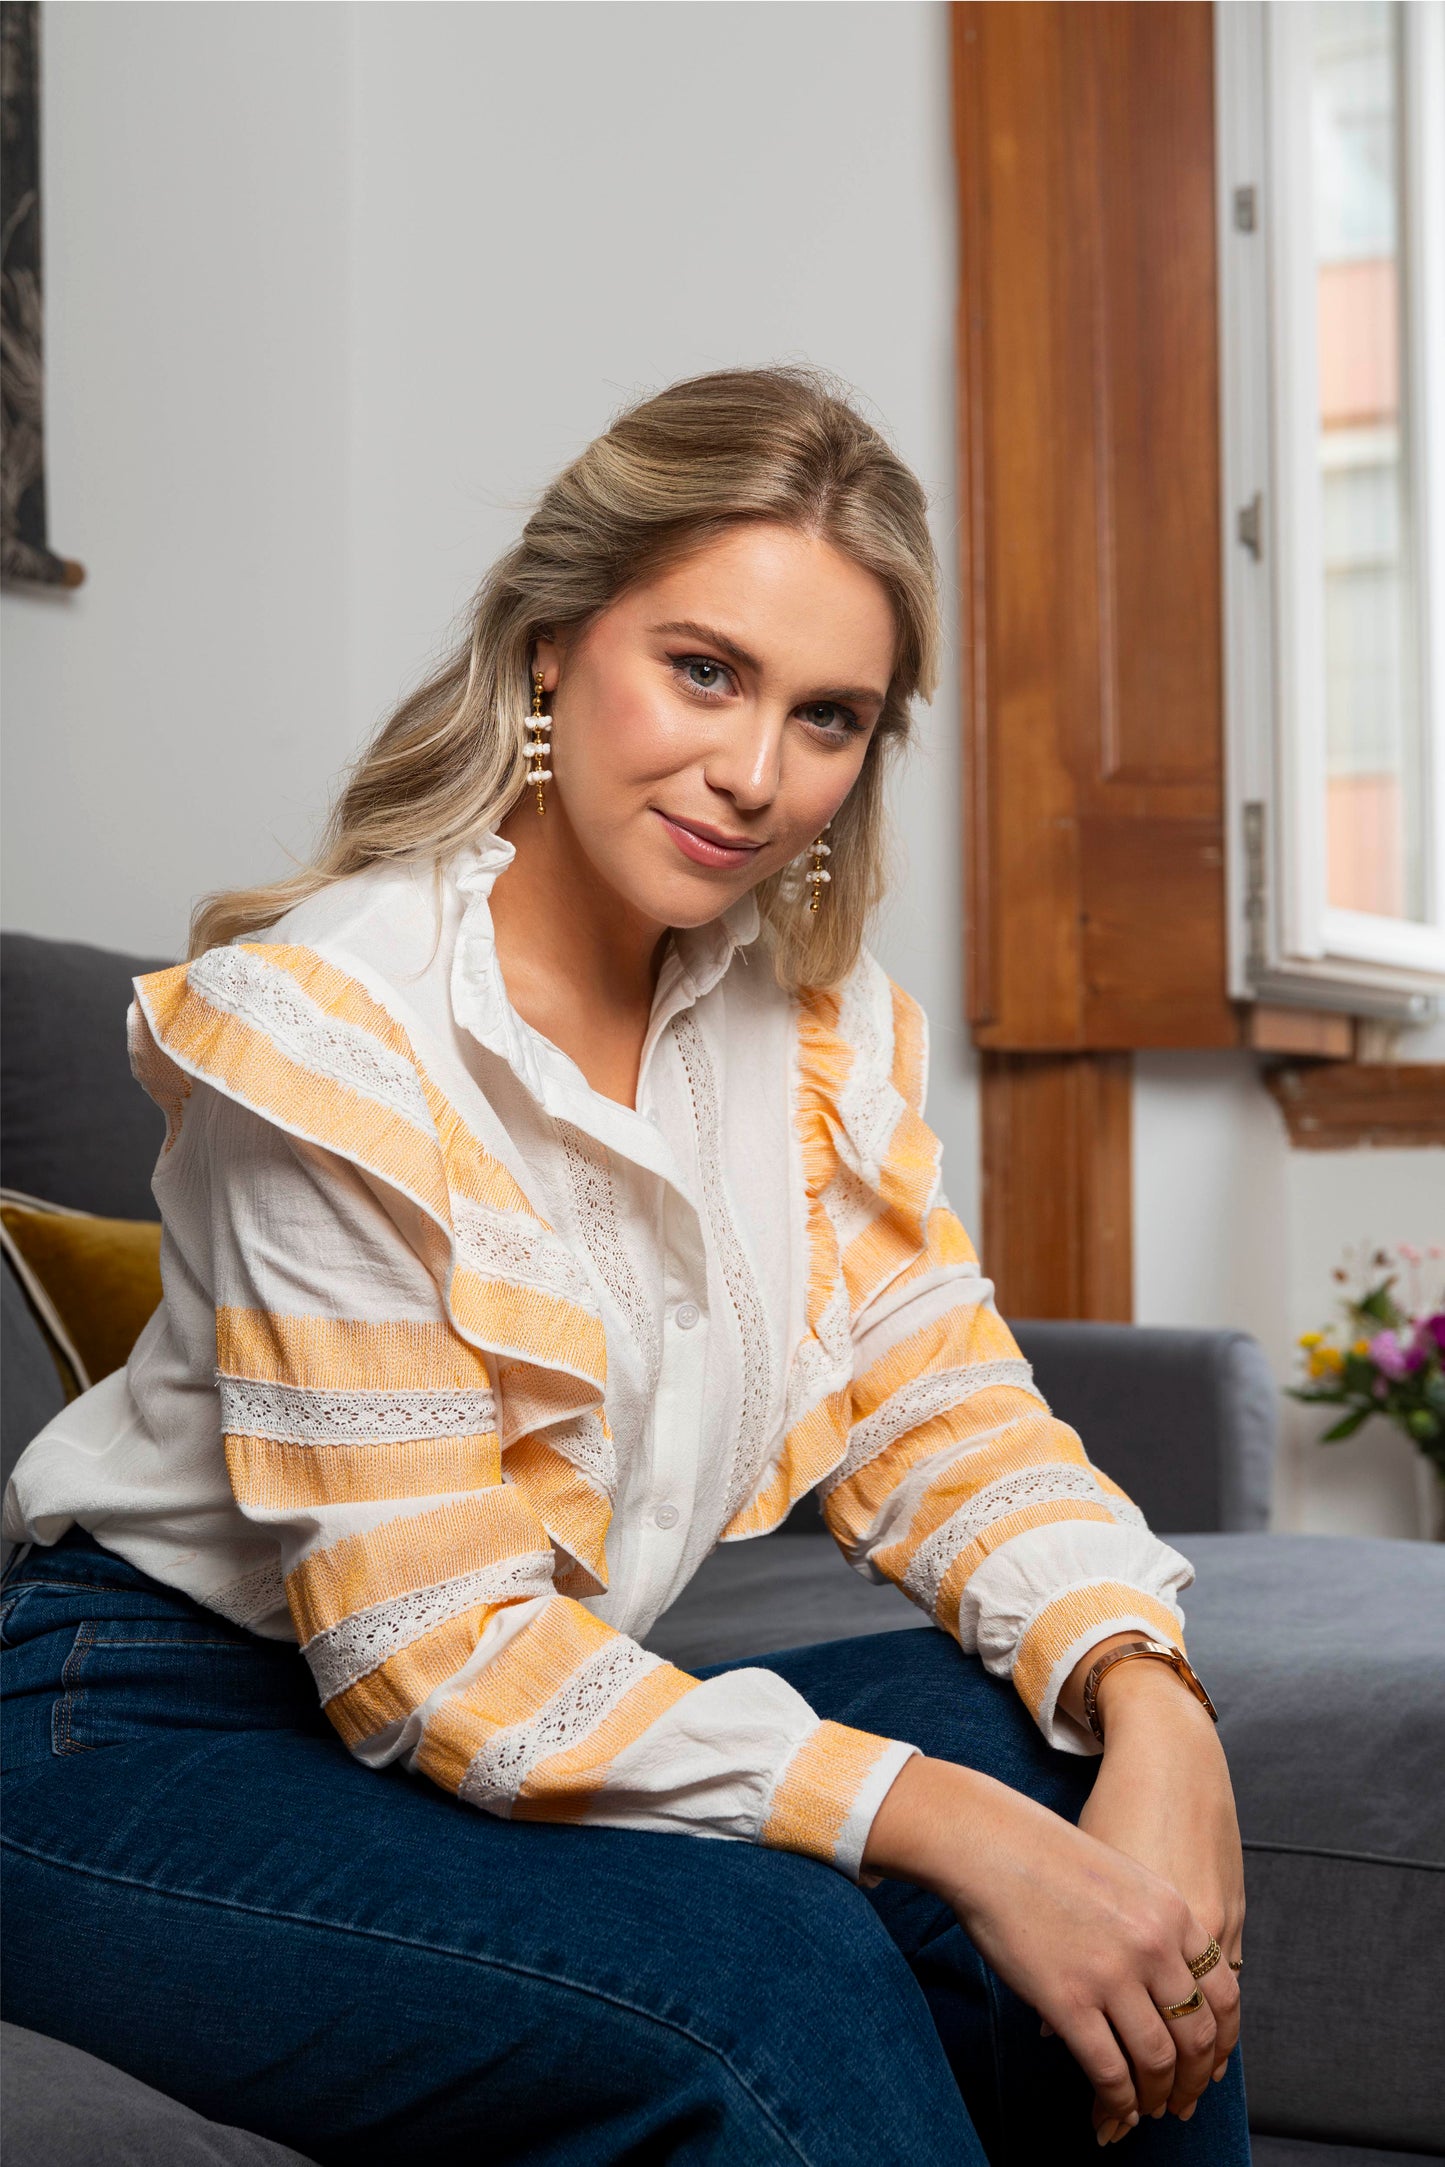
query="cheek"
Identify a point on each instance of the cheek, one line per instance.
(627, 730)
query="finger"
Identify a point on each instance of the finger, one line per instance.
(1221, 1989)
(1194, 2055)
(1098, 2053)
(1149, 2044)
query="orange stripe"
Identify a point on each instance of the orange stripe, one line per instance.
(815, 1796)
(518, 1681)
(1106, 1607)
(270, 1474)
(576, 1514)
(229, 1051)
(907, 1047)
(1035, 1441)
(392, 1692)
(855, 1504)
(544, 1329)
(343, 1354)
(561, 1787)
(415, 1551)
(993, 1537)
(812, 1447)
(958, 1339)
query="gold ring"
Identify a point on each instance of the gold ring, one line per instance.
(1207, 1961)
(1236, 1963)
(1173, 2009)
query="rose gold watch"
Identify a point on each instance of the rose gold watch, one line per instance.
(1161, 1651)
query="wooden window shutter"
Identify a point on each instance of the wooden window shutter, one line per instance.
(1089, 442)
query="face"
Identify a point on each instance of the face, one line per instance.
(709, 724)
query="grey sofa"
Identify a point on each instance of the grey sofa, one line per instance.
(1326, 1658)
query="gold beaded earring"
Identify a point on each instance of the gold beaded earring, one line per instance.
(538, 743)
(818, 875)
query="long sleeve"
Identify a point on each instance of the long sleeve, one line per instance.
(962, 1489)
(365, 1432)
(956, 1484)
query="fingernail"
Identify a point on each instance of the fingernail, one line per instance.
(1187, 2111)
(1105, 2131)
(1124, 2128)
(1157, 2114)
(1220, 2072)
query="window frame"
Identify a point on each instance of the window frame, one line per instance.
(1286, 942)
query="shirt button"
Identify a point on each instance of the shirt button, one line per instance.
(666, 1516)
(686, 1315)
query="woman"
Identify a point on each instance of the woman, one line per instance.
(547, 1197)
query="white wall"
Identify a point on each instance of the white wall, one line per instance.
(331, 290)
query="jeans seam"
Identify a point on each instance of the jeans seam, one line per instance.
(167, 1640)
(61, 1736)
(429, 1948)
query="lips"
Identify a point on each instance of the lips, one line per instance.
(708, 846)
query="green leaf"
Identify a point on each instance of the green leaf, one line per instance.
(1347, 1427)
(1378, 1305)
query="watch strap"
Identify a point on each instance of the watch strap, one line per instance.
(1159, 1651)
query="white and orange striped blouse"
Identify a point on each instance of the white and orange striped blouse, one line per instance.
(462, 1368)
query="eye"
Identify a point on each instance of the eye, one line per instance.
(701, 675)
(832, 720)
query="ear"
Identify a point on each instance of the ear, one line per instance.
(547, 657)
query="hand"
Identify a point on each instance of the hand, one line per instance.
(1162, 1796)
(1087, 1935)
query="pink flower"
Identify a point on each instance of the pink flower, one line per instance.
(1392, 1357)
(1431, 1328)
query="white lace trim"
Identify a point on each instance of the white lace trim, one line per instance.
(245, 985)
(512, 1245)
(918, 1402)
(356, 1646)
(1054, 1483)
(585, 1443)
(737, 1272)
(498, 1772)
(254, 1595)
(302, 1415)
(589, 1178)
(868, 1103)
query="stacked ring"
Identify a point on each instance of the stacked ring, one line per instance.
(1206, 1961)
(1173, 2009)
(1236, 1963)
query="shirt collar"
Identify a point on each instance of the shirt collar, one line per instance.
(695, 959)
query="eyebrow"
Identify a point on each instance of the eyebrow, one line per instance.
(709, 636)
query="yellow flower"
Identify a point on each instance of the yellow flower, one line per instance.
(1361, 1346)
(1310, 1339)
(1326, 1362)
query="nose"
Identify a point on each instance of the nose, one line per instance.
(747, 765)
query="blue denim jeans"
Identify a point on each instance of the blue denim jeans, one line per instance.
(203, 1887)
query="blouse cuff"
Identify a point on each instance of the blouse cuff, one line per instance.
(1064, 1630)
(825, 1799)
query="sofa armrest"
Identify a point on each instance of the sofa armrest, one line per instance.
(1186, 1422)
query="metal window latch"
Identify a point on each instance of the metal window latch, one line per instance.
(1249, 526)
(1246, 209)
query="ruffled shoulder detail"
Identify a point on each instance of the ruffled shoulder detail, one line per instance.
(299, 1041)
(870, 1169)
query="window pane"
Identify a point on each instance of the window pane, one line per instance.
(1375, 770)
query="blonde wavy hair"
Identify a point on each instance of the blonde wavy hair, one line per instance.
(671, 474)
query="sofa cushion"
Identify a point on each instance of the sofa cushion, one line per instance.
(1323, 1657)
(60, 2107)
(94, 1283)
(77, 1127)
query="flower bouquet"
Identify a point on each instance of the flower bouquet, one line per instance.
(1390, 1359)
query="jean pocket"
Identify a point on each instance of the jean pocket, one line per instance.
(125, 1680)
